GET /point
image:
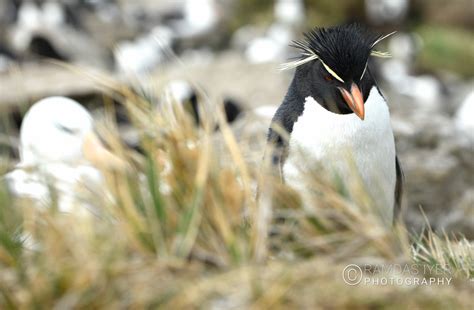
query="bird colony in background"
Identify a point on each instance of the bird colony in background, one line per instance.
(333, 97)
(332, 112)
(60, 149)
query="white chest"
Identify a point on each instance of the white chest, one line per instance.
(73, 186)
(346, 146)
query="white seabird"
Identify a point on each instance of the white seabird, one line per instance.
(59, 150)
(144, 53)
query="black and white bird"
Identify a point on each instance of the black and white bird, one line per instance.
(184, 93)
(335, 118)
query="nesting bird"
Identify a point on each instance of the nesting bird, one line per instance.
(386, 11)
(182, 92)
(425, 91)
(200, 18)
(334, 117)
(145, 53)
(273, 46)
(33, 17)
(58, 149)
(290, 12)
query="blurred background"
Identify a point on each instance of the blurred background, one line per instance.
(231, 49)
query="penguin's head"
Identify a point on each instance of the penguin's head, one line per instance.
(333, 67)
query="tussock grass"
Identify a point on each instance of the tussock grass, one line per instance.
(181, 227)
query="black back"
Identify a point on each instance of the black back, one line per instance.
(283, 120)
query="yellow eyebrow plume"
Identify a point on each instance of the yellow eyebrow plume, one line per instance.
(334, 74)
(297, 63)
(382, 38)
(380, 54)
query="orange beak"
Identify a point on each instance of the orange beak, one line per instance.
(354, 100)
(96, 153)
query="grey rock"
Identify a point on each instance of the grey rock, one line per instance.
(461, 219)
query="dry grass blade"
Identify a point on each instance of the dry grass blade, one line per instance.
(181, 227)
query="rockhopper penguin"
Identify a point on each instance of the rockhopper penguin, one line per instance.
(334, 117)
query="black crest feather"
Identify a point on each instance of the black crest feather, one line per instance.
(341, 48)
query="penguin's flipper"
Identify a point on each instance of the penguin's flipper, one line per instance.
(398, 190)
(277, 149)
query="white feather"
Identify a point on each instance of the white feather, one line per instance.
(42, 141)
(337, 142)
(464, 120)
(52, 157)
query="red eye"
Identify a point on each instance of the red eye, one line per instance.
(328, 78)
